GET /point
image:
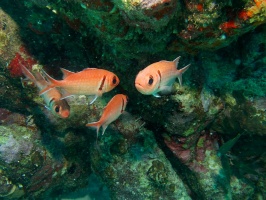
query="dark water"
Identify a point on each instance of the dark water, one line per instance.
(204, 139)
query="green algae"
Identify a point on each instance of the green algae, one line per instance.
(157, 173)
(3, 39)
(200, 143)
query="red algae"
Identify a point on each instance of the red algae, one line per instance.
(22, 57)
(227, 26)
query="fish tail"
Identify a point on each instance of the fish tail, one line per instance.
(39, 77)
(52, 83)
(28, 74)
(95, 124)
(180, 72)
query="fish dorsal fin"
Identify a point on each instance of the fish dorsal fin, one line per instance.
(66, 72)
(88, 69)
(176, 61)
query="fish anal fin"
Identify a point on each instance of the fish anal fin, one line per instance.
(167, 89)
(180, 72)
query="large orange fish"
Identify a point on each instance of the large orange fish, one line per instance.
(159, 77)
(90, 81)
(111, 112)
(52, 98)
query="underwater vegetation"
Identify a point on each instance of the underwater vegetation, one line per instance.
(193, 125)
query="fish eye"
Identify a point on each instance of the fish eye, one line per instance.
(57, 109)
(114, 80)
(150, 80)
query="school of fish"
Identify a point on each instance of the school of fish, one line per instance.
(156, 79)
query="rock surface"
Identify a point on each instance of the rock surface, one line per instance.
(205, 139)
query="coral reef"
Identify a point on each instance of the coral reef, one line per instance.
(136, 169)
(205, 139)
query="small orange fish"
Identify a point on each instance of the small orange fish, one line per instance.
(51, 98)
(90, 81)
(111, 112)
(159, 77)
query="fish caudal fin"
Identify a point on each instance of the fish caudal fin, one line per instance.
(104, 127)
(180, 72)
(52, 83)
(28, 74)
(96, 125)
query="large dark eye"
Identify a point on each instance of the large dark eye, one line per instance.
(57, 109)
(150, 80)
(114, 80)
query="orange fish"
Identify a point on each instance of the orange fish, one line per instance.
(90, 81)
(111, 112)
(159, 77)
(52, 98)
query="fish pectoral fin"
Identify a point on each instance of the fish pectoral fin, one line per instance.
(94, 99)
(46, 107)
(156, 95)
(166, 89)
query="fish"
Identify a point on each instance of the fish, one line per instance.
(52, 98)
(228, 145)
(90, 81)
(159, 77)
(115, 107)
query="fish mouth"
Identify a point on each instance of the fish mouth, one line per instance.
(65, 114)
(139, 87)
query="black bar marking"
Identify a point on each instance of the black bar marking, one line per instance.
(160, 78)
(123, 104)
(102, 83)
(51, 101)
